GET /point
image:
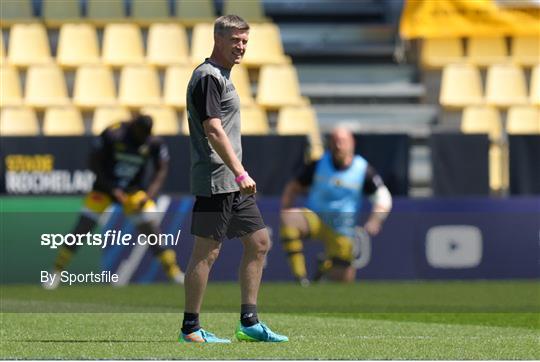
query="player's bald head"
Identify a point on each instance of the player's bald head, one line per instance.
(342, 144)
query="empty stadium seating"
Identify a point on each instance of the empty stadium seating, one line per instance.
(201, 42)
(94, 87)
(45, 86)
(63, 121)
(175, 87)
(487, 120)
(55, 13)
(506, 86)
(122, 45)
(240, 79)
(167, 45)
(28, 45)
(534, 96)
(139, 86)
(254, 121)
(486, 51)
(301, 121)
(525, 50)
(77, 45)
(165, 119)
(461, 86)
(11, 94)
(438, 52)
(145, 12)
(18, 121)
(102, 12)
(15, 12)
(278, 86)
(523, 120)
(191, 12)
(264, 46)
(252, 11)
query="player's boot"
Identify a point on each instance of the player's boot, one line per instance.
(55, 281)
(201, 336)
(258, 333)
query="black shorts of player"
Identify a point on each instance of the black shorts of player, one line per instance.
(229, 215)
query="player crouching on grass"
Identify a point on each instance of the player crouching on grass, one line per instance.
(336, 184)
(120, 159)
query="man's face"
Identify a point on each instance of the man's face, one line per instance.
(232, 45)
(341, 145)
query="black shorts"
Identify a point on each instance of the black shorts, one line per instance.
(228, 215)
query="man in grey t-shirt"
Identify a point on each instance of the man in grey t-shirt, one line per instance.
(225, 204)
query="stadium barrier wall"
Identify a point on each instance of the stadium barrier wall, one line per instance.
(465, 238)
(59, 165)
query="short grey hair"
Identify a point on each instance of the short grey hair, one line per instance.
(226, 23)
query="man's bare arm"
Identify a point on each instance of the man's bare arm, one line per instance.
(221, 143)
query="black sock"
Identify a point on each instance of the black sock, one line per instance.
(248, 315)
(190, 323)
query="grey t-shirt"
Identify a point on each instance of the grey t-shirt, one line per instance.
(211, 94)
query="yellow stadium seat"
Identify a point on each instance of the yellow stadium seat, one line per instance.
(18, 121)
(240, 79)
(167, 45)
(505, 85)
(94, 87)
(63, 121)
(122, 45)
(165, 120)
(2, 50)
(176, 81)
(301, 121)
(439, 52)
(28, 45)
(523, 120)
(102, 12)
(253, 121)
(252, 11)
(11, 94)
(461, 86)
(264, 46)
(105, 116)
(487, 120)
(139, 86)
(486, 51)
(202, 42)
(482, 119)
(55, 13)
(145, 12)
(77, 45)
(13, 12)
(278, 86)
(525, 50)
(184, 123)
(194, 12)
(45, 86)
(535, 86)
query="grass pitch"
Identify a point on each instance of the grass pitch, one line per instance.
(368, 320)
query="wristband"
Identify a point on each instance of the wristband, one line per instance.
(241, 178)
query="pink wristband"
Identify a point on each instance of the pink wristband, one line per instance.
(241, 177)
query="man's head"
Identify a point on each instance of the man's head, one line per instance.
(141, 128)
(231, 34)
(342, 145)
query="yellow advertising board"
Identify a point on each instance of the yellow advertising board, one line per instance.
(462, 18)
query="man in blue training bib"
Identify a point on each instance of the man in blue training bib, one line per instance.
(337, 184)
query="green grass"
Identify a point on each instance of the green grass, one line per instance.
(367, 320)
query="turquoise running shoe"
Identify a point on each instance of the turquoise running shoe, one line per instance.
(258, 333)
(201, 336)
